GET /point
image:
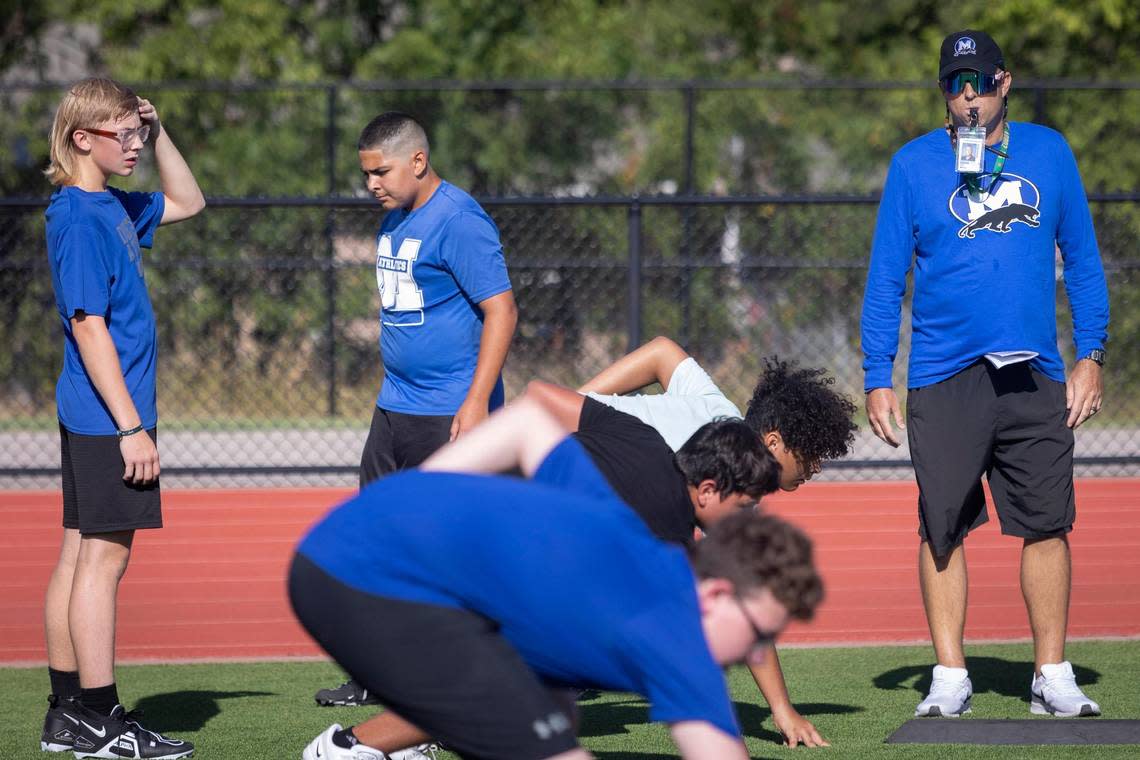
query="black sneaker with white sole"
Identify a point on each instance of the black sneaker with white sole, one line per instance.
(120, 736)
(61, 724)
(348, 694)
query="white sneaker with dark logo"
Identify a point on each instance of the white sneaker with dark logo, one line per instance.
(1055, 692)
(323, 748)
(950, 693)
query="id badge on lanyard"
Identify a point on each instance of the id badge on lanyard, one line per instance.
(970, 150)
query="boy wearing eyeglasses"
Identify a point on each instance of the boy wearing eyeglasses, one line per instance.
(987, 389)
(106, 400)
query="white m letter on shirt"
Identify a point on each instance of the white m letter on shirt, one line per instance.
(1007, 192)
(395, 275)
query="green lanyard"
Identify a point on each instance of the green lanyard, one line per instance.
(973, 181)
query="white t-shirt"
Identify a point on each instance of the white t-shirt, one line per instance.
(691, 400)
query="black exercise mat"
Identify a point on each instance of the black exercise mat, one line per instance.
(1043, 731)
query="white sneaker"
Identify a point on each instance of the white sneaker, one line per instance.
(322, 748)
(1055, 692)
(949, 696)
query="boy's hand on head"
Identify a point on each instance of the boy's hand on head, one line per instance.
(149, 115)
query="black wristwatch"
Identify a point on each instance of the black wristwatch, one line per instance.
(1097, 355)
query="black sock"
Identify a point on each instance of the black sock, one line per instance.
(102, 699)
(64, 683)
(344, 738)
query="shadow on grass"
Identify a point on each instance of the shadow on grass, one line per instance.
(186, 710)
(613, 718)
(988, 675)
(752, 717)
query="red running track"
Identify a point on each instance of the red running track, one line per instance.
(210, 585)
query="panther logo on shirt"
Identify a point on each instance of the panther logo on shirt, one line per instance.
(1009, 200)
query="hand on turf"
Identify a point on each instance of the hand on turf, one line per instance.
(1084, 392)
(140, 458)
(882, 404)
(469, 415)
(149, 115)
(797, 729)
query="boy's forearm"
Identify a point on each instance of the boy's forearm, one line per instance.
(563, 403)
(183, 196)
(769, 678)
(500, 316)
(652, 363)
(101, 360)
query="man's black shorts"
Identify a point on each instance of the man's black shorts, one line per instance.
(398, 441)
(96, 499)
(446, 670)
(1008, 424)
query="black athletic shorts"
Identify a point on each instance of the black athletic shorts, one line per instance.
(1008, 424)
(96, 499)
(446, 670)
(398, 441)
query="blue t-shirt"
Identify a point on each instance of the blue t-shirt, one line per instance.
(94, 242)
(580, 587)
(433, 266)
(984, 266)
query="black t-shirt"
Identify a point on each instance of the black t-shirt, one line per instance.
(640, 467)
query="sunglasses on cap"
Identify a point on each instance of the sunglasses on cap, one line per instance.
(982, 84)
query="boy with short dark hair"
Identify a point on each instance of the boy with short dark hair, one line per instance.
(721, 468)
(447, 312)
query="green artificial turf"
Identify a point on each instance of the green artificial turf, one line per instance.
(855, 697)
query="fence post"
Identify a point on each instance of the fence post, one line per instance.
(330, 248)
(690, 130)
(634, 274)
(686, 295)
(1039, 105)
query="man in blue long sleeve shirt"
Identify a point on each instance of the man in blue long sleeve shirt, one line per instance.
(987, 392)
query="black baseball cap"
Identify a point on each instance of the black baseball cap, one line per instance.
(970, 49)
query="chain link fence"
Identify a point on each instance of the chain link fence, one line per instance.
(269, 364)
(566, 138)
(268, 330)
